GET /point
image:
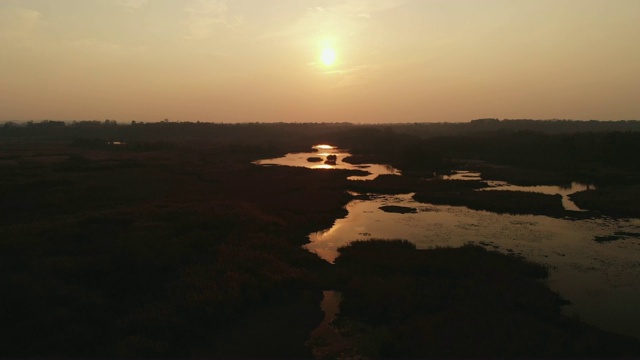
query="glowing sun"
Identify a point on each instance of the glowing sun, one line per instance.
(328, 56)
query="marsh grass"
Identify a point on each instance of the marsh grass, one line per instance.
(457, 302)
(154, 253)
(618, 201)
(503, 202)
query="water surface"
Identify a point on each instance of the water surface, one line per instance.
(602, 280)
(322, 151)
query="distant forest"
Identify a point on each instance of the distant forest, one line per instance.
(170, 131)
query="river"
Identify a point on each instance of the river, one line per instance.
(601, 279)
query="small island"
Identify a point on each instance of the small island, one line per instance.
(331, 159)
(314, 159)
(398, 209)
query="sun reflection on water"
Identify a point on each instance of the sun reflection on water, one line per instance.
(324, 147)
(322, 158)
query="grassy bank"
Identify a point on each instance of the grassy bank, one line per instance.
(462, 302)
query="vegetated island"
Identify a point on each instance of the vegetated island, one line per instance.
(149, 240)
(398, 209)
(510, 202)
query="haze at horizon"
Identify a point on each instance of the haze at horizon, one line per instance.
(325, 61)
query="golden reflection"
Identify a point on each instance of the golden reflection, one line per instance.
(321, 243)
(323, 166)
(324, 147)
(325, 156)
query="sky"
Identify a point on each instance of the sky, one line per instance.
(355, 61)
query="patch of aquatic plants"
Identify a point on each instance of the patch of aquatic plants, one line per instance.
(456, 302)
(394, 184)
(618, 201)
(618, 235)
(387, 184)
(398, 209)
(520, 176)
(504, 202)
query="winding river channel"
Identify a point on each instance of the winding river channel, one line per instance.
(601, 279)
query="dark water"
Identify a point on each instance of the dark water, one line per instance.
(602, 280)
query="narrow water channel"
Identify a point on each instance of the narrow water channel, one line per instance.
(602, 280)
(325, 340)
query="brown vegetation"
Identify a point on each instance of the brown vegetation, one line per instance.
(619, 201)
(464, 302)
(509, 202)
(122, 252)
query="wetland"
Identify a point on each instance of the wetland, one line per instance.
(223, 240)
(535, 222)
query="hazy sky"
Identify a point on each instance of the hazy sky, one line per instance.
(260, 60)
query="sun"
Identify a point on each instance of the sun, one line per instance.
(328, 56)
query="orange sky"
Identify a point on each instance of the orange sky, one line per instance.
(260, 60)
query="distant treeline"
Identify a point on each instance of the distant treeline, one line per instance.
(545, 126)
(110, 130)
(249, 132)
